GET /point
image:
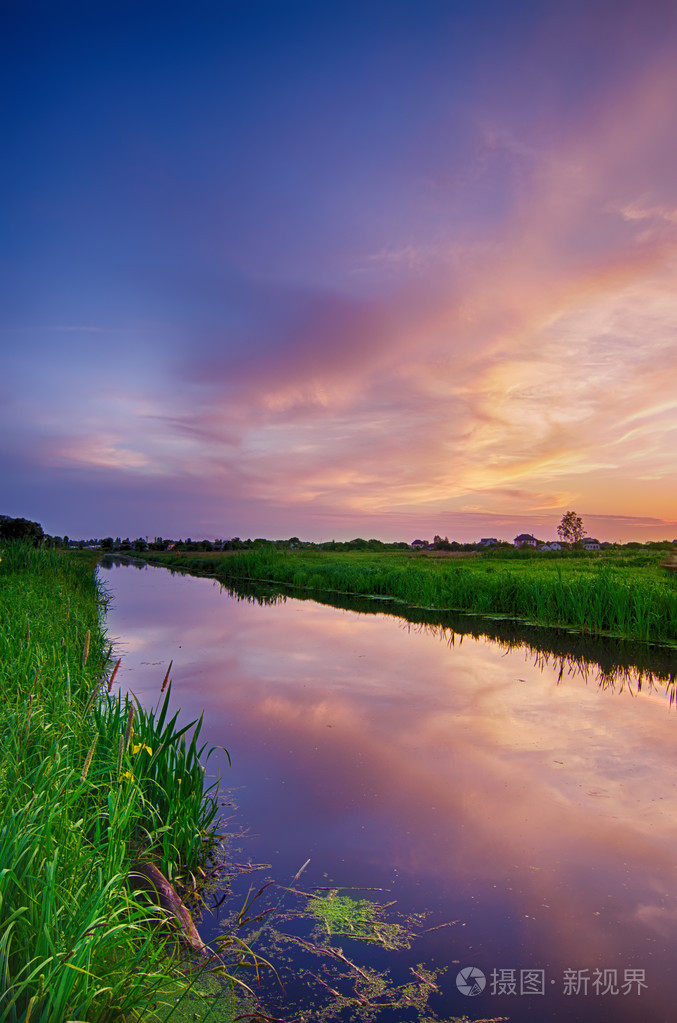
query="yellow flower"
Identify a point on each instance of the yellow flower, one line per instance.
(127, 775)
(141, 745)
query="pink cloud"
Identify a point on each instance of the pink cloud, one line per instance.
(494, 374)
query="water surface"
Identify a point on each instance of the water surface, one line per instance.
(525, 802)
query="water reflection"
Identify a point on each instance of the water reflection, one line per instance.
(610, 662)
(607, 661)
(489, 782)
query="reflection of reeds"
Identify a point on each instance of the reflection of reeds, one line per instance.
(610, 662)
(603, 596)
(585, 662)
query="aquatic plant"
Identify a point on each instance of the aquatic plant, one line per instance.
(88, 783)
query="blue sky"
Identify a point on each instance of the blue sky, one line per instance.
(339, 269)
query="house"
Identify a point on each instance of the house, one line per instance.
(525, 540)
(556, 546)
(488, 541)
(418, 545)
(544, 547)
(591, 545)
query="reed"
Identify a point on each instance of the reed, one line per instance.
(89, 782)
(612, 594)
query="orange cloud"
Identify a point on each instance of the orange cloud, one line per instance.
(521, 366)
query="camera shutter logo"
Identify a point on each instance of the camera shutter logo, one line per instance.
(471, 981)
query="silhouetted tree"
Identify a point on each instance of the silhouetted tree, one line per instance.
(570, 529)
(20, 529)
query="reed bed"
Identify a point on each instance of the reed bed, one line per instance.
(605, 596)
(89, 784)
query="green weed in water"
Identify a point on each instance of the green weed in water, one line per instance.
(362, 920)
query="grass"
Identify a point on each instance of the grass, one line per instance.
(89, 784)
(616, 593)
(92, 786)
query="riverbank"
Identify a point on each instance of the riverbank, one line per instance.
(93, 789)
(474, 780)
(619, 593)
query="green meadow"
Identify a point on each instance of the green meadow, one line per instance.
(618, 592)
(92, 790)
(96, 793)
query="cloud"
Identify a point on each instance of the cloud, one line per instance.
(104, 451)
(639, 211)
(506, 362)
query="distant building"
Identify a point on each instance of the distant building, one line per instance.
(591, 545)
(418, 544)
(488, 541)
(525, 540)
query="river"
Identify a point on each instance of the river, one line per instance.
(527, 809)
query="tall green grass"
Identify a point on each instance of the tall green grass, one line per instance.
(89, 784)
(595, 595)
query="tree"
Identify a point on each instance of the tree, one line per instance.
(441, 543)
(20, 529)
(570, 529)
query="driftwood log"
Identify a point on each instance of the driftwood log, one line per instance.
(146, 876)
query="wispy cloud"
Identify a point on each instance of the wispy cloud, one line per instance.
(102, 452)
(497, 338)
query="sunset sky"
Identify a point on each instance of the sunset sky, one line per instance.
(384, 268)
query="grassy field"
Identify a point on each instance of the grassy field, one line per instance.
(90, 786)
(618, 592)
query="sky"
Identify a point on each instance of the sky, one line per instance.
(337, 269)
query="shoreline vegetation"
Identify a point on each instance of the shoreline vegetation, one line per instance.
(97, 795)
(104, 802)
(104, 818)
(610, 662)
(619, 593)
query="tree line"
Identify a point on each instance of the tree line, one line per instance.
(570, 531)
